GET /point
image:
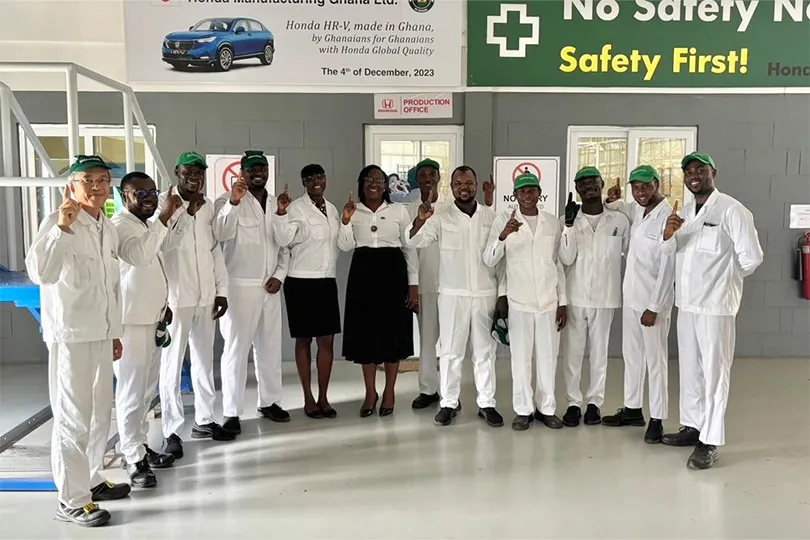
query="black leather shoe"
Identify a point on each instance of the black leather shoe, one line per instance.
(141, 475)
(592, 416)
(445, 416)
(492, 417)
(550, 421)
(655, 430)
(328, 412)
(423, 401)
(90, 515)
(704, 456)
(158, 461)
(365, 412)
(686, 436)
(275, 413)
(232, 424)
(522, 423)
(107, 491)
(572, 416)
(212, 431)
(625, 417)
(173, 445)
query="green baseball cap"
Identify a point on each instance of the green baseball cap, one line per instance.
(526, 180)
(428, 163)
(85, 163)
(644, 174)
(587, 172)
(189, 159)
(253, 158)
(706, 159)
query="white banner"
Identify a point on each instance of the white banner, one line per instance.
(547, 170)
(223, 170)
(295, 42)
(413, 105)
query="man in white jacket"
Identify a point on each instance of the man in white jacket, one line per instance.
(143, 300)
(73, 260)
(648, 291)
(526, 243)
(468, 292)
(591, 249)
(257, 266)
(198, 291)
(716, 245)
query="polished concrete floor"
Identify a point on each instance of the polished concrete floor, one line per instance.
(401, 477)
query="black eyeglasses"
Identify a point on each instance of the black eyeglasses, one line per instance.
(314, 177)
(145, 193)
(372, 180)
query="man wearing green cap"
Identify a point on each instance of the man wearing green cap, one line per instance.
(716, 245)
(73, 259)
(198, 292)
(648, 293)
(591, 248)
(256, 266)
(528, 239)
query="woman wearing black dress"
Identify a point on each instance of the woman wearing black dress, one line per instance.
(382, 291)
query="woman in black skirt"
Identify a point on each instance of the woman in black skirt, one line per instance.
(309, 226)
(382, 291)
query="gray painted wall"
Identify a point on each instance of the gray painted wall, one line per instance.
(761, 145)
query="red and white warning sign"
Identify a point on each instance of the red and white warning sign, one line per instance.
(223, 171)
(506, 170)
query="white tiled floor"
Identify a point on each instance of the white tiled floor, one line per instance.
(402, 477)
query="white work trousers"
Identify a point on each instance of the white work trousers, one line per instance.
(645, 353)
(428, 318)
(80, 379)
(136, 375)
(253, 319)
(591, 325)
(533, 338)
(464, 319)
(705, 355)
(193, 327)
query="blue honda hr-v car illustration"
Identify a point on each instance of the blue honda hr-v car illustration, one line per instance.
(217, 42)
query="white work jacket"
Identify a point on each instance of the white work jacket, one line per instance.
(144, 291)
(384, 228)
(714, 250)
(649, 277)
(461, 240)
(252, 255)
(78, 278)
(534, 274)
(192, 258)
(311, 238)
(593, 259)
(428, 256)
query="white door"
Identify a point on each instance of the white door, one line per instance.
(398, 148)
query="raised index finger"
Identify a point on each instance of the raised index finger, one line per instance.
(513, 213)
(675, 208)
(66, 194)
(286, 188)
(618, 183)
(570, 197)
(351, 197)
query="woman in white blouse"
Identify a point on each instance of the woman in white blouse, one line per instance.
(382, 288)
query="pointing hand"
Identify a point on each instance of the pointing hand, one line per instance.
(512, 225)
(426, 208)
(238, 191)
(283, 201)
(674, 223)
(614, 192)
(571, 210)
(348, 209)
(68, 211)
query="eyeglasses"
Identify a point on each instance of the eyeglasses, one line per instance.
(95, 183)
(372, 180)
(314, 178)
(144, 193)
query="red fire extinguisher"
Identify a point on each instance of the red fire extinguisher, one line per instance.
(803, 266)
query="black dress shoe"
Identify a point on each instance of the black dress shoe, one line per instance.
(386, 411)
(423, 401)
(625, 417)
(90, 515)
(445, 416)
(704, 456)
(232, 424)
(655, 430)
(521, 422)
(212, 431)
(173, 445)
(368, 411)
(687, 436)
(492, 417)
(328, 412)
(549, 420)
(572, 416)
(141, 475)
(158, 461)
(275, 413)
(107, 491)
(592, 416)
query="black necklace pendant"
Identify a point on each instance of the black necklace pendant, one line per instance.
(373, 228)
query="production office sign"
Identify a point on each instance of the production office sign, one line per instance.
(639, 43)
(391, 43)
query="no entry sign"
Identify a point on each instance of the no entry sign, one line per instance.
(224, 170)
(547, 169)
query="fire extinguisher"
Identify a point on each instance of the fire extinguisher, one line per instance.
(803, 264)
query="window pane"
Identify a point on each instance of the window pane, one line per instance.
(608, 154)
(665, 155)
(113, 151)
(439, 151)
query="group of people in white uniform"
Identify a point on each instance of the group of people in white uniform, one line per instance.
(128, 296)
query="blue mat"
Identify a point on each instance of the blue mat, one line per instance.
(26, 484)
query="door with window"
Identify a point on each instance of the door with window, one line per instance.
(616, 151)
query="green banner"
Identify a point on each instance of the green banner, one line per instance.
(639, 43)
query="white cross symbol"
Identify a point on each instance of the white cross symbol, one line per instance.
(523, 42)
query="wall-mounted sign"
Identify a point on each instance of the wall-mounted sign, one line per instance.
(507, 169)
(223, 170)
(413, 105)
(800, 216)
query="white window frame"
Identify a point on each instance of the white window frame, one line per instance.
(376, 134)
(632, 134)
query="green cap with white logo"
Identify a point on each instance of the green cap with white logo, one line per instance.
(644, 174)
(526, 180)
(587, 172)
(85, 163)
(253, 158)
(190, 159)
(706, 159)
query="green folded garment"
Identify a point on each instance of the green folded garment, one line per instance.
(500, 329)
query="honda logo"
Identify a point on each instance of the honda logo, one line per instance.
(388, 104)
(176, 44)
